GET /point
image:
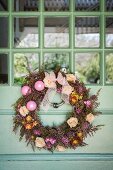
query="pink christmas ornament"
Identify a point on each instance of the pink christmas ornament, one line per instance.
(31, 105)
(39, 85)
(25, 90)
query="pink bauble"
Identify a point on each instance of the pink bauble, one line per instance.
(25, 90)
(31, 105)
(39, 85)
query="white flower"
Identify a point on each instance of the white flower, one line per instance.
(60, 148)
(72, 122)
(23, 111)
(39, 142)
(90, 117)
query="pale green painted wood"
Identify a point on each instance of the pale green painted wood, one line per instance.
(9, 95)
(101, 142)
(57, 165)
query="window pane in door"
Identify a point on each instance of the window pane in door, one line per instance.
(3, 68)
(26, 32)
(87, 5)
(54, 60)
(109, 68)
(56, 5)
(56, 32)
(3, 32)
(26, 5)
(23, 62)
(87, 32)
(109, 5)
(87, 67)
(3, 5)
(109, 32)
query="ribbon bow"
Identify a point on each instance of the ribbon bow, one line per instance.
(51, 79)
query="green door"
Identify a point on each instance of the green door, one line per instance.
(78, 36)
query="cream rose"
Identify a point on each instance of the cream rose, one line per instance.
(70, 77)
(72, 122)
(67, 89)
(60, 148)
(39, 142)
(23, 111)
(90, 117)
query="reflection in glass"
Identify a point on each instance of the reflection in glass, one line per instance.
(56, 32)
(87, 5)
(26, 32)
(26, 5)
(3, 32)
(3, 5)
(3, 68)
(87, 67)
(109, 32)
(53, 60)
(22, 64)
(109, 5)
(87, 32)
(56, 5)
(109, 68)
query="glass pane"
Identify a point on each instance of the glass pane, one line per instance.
(3, 5)
(109, 68)
(87, 67)
(53, 60)
(87, 5)
(26, 32)
(23, 63)
(3, 68)
(87, 32)
(109, 32)
(26, 5)
(56, 32)
(109, 5)
(3, 32)
(56, 5)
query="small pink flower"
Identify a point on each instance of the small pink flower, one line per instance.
(87, 103)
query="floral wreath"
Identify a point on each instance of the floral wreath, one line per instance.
(78, 124)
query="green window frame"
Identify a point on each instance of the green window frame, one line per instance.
(72, 50)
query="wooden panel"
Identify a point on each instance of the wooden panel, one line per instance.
(102, 142)
(10, 94)
(57, 165)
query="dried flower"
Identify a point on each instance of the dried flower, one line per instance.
(70, 77)
(72, 122)
(90, 117)
(23, 111)
(60, 148)
(39, 142)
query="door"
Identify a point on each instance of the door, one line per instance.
(78, 36)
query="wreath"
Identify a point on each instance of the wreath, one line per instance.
(78, 123)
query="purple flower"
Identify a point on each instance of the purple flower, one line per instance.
(65, 140)
(50, 140)
(78, 110)
(85, 125)
(37, 132)
(87, 103)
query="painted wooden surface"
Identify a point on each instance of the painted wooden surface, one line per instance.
(97, 155)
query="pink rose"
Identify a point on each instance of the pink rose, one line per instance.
(23, 111)
(70, 77)
(39, 142)
(67, 89)
(90, 117)
(72, 122)
(60, 148)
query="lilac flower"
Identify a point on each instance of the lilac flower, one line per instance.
(87, 103)
(78, 110)
(65, 140)
(37, 132)
(50, 140)
(85, 125)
